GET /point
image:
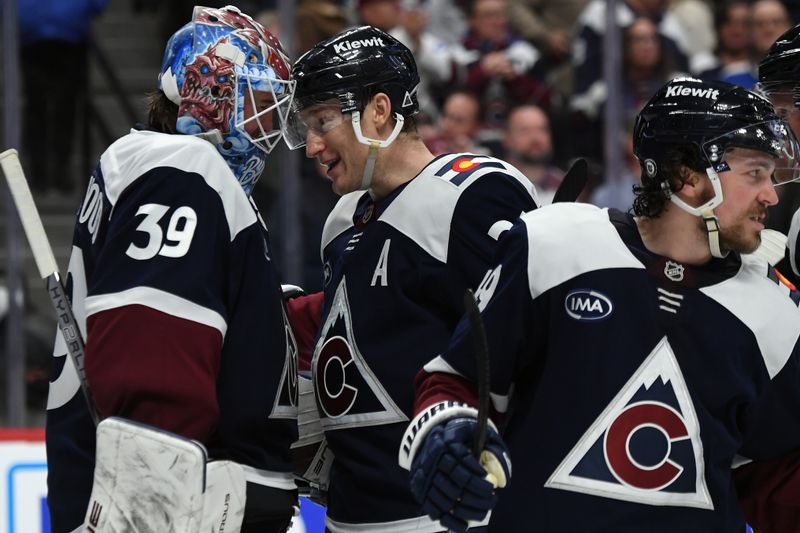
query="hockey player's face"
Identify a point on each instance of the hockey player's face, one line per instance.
(785, 108)
(747, 191)
(330, 139)
(258, 103)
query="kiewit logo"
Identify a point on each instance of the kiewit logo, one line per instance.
(361, 43)
(680, 90)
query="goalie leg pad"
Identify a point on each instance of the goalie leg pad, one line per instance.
(225, 496)
(145, 480)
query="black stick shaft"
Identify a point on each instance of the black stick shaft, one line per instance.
(483, 375)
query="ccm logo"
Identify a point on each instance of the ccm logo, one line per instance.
(585, 304)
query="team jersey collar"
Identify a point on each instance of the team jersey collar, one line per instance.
(668, 270)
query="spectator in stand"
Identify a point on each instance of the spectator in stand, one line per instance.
(459, 126)
(317, 20)
(547, 24)
(383, 14)
(617, 191)
(770, 20)
(54, 47)
(587, 56)
(528, 146)
(438, 62)
(696, 17)
(734, 27)
(645, 67)
(502, 71)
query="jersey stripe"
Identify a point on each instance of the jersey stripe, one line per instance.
(160, 301)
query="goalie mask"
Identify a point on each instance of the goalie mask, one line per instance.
(220, 67)
(346, 71)
(710, 118)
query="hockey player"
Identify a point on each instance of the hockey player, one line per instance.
(630, 352)
(409, 235)
(171, 274)
(779, 80)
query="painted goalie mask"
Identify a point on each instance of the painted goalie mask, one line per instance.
(230, 79)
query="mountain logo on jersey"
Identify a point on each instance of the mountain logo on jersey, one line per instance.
(645, 446)
(348, 392)
(586, 305)
(285, 405)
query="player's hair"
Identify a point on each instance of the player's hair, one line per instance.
(651, 197)
(162, 113)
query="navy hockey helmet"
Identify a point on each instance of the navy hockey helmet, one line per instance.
(350, 67)
(211, 70)
(709, 118)
(780, 68)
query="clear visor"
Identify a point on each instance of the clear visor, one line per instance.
(774, 137)
(317, 118)
(264, 127)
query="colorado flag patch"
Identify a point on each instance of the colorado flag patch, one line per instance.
(645, 446)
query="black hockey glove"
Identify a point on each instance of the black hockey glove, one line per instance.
(447, 479)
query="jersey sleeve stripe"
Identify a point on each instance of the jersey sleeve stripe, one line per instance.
(160, 301)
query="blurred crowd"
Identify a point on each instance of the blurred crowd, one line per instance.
(523, 79)
(518, 79)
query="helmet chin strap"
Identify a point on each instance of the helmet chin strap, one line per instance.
(374, 145)
(706, 212)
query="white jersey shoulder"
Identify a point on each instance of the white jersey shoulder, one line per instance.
(340, 219)
(133, 155)
(424, 210)
(566, 240)
(764, 307)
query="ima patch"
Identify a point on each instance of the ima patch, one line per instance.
(348, 393)
(645, 446)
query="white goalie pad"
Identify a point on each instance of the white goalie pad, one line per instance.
(149, 480)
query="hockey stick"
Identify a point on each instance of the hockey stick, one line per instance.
(483, 372)
(48, 268)
(573, 183)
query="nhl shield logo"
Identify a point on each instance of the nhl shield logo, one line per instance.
(674, 271)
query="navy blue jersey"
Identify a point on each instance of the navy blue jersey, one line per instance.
(395, 274)
(631, 384)
(172, 280)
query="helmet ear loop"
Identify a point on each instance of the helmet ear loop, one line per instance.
(374, 145)
(706, 212)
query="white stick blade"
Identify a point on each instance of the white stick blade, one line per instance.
(28, 214)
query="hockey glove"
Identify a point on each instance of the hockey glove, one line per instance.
(449, 482)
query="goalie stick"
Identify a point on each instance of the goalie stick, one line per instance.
(48, 268)
(483, 374)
